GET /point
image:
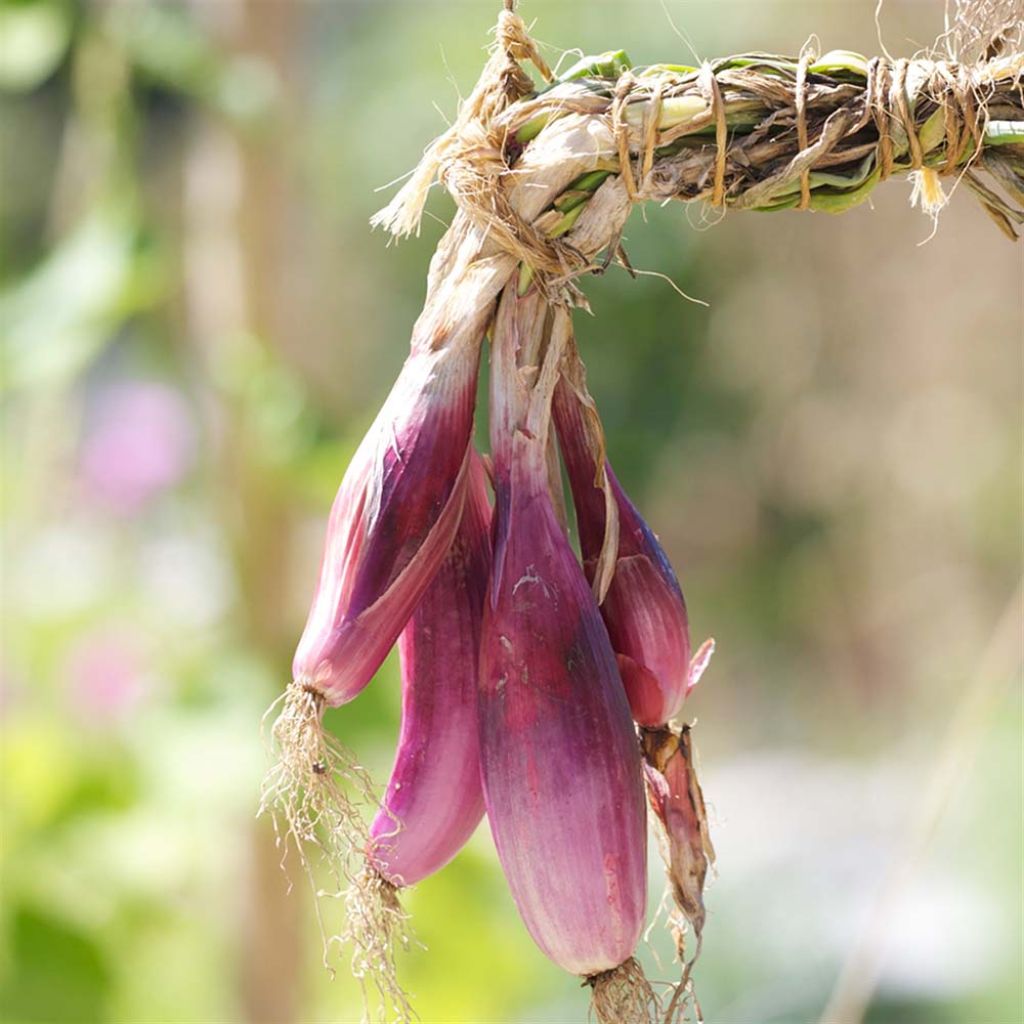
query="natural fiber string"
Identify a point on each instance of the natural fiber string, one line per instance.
(902, 103)
(503, 81)
(651, 119)
(888, 99)
(878, 77)
(964, 92)
(474, 168)
(634, 180)
(953, 115)
(620, 128)
(517, 45)
(800, 102)
(713, 94)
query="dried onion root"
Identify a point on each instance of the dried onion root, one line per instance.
(315, 793)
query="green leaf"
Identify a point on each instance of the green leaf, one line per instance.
(566, 222)
(653, 70)
(839, 202)
(610, 64)
(580, 191)
(1004, 133)
(588, 182)
(840, 60)
(933, 132)
(532, 128)
(845, 181)
(762, 61)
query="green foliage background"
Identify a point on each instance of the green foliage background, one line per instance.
(830, 453)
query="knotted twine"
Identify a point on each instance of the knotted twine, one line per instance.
(470, 160)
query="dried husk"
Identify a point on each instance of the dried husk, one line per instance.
(676, 799)
(750, 131)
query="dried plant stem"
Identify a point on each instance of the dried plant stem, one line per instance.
(754, 131)
(684, 840)
(997, 666)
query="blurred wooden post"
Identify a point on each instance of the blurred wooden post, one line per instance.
(233, 212)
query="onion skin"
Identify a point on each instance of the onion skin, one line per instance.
(560, 761)
(677, 802)
(645, 613)
(643, 608)
(434, 799)
(392, 522)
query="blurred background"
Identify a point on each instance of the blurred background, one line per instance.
(197, 327)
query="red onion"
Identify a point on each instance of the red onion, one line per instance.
(560, 762)
(433, 800)
(393, 519)
(643, 606)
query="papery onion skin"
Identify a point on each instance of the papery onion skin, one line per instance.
(677, 802)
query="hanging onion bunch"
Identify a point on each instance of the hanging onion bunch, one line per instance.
(541, 688)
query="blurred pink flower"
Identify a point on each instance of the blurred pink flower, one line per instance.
(106, 676)
(141, 443)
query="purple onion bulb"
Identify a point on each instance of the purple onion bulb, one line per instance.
(393, 520)
(560, 761)
(434, 800)
(643, 608)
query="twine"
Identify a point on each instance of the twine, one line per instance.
(620, 127)
(800, 101)
(878, 92)
(469, 158)
(709, 86)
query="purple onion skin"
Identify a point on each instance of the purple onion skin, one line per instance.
(434, 799)
(392, 522)
(644, 610)
(560, 762)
